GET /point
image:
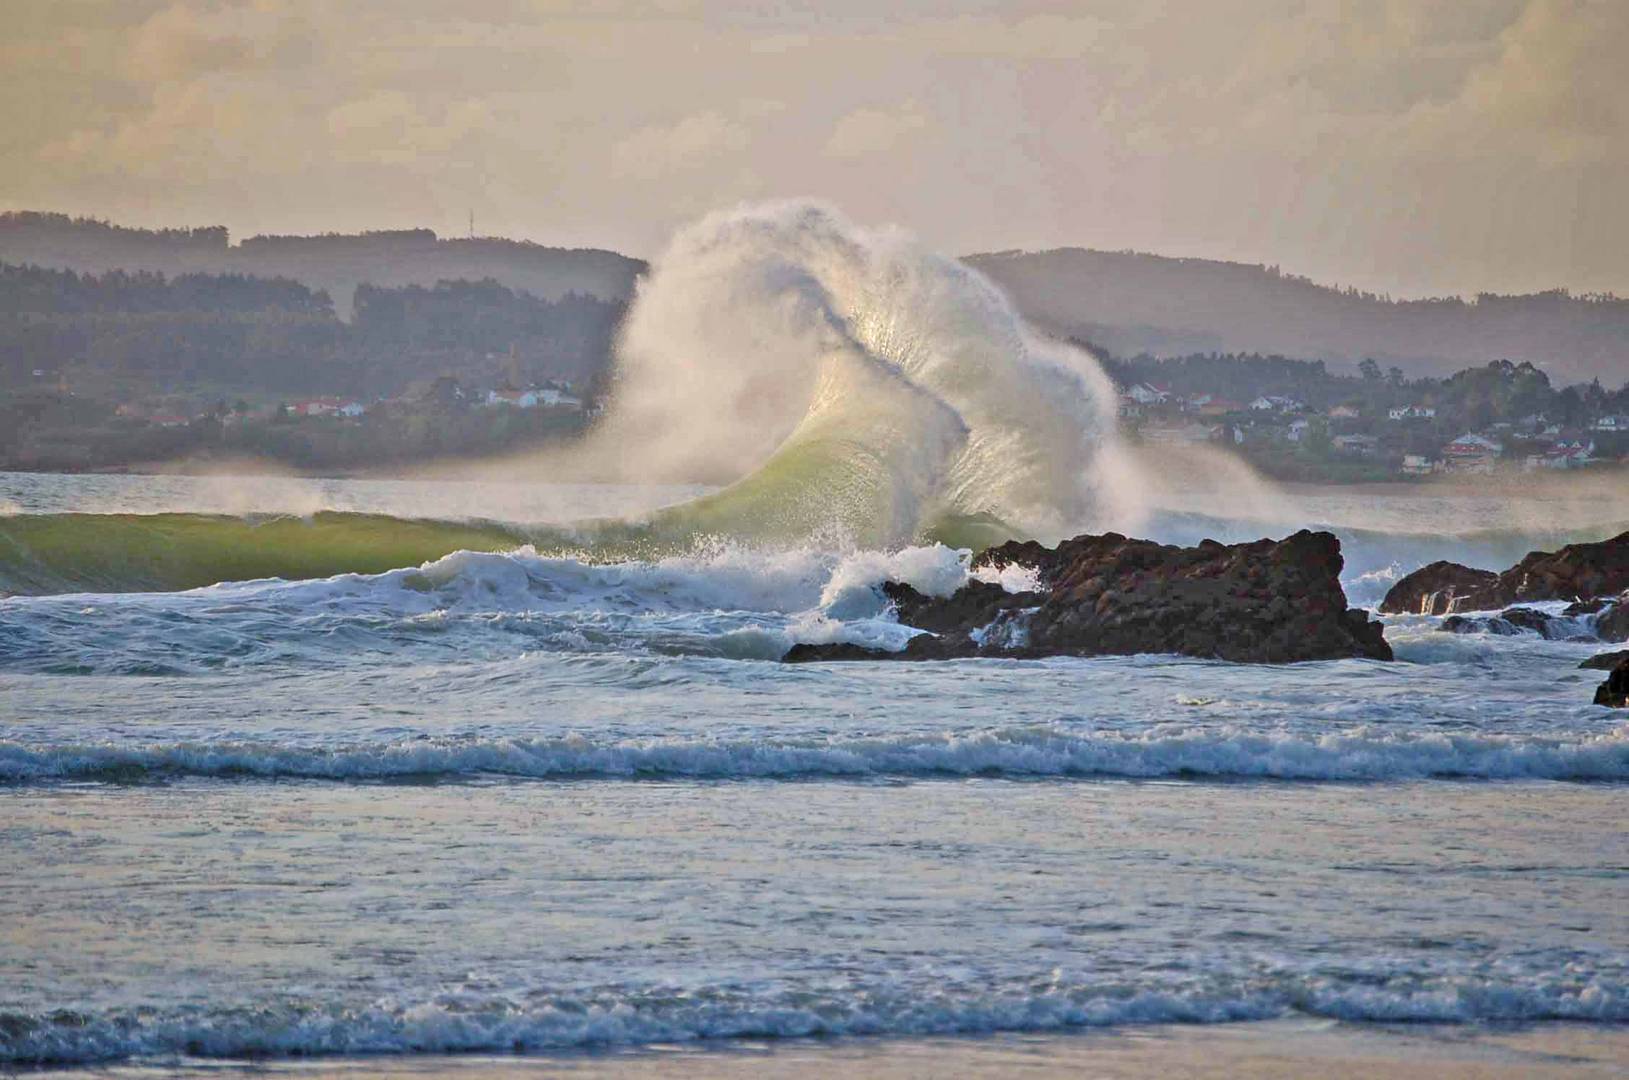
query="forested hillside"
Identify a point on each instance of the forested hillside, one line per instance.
(1130, 303)
(121, 336)
(336, 264)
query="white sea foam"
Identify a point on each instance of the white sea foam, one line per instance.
(1035, 751)
(719, 577)
(850, 378)
(465, 1023)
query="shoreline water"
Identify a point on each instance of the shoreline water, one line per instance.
(1263, 1050)
(714, 846)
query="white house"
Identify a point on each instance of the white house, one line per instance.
(1472, 453)
(328, 406)
(1417, 464)
(1298, 430)
(1361, 445)
(1275, 403)
(1612, 423)
(1411, 412)
(559, 399)
(516, 399)
(551, 396)
(1148, 393)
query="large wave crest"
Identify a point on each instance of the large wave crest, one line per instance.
(850, 383)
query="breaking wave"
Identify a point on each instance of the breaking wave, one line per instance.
(457, 1022)
(56, 553)
(849, 388)
(1043, 751)
(848, 382)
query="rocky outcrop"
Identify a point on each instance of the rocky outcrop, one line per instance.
(1614, 693)
(1606, 661)
(1440, 588)
(1575, 572)
(1262, 602)
(1509, 622)
(1603, 619)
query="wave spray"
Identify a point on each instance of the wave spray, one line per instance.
(846, 383)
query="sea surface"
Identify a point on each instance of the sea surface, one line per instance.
(520, 802)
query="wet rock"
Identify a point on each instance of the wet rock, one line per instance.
(1441, 588)
(1614, 693)
(1605, 661)
(803, 653)
(978, 603)
(1262, 602)
(1519, 620)
(1612, 624)
(1578, 572)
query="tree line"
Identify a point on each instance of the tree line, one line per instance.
(125, 335)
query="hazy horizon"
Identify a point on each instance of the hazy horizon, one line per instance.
(1407, 148)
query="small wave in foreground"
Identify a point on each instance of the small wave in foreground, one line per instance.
(464, 1023)
(1019, 753)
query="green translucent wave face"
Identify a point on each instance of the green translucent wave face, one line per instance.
(57, 553)
(45, 553)
(860, 471)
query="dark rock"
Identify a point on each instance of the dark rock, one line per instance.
(803, 653)
(1441, 588)
(1517, 620)
(1612, 624)
(1027, 553)
(1614, 693)
(1606, 661)
(1524, 618)
(1577, 572)
(1262, 602)
(975, 604)
(1478, 624)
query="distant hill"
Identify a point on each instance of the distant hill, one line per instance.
(124, 335)
(1124, 302)
(1131, 303)
(334, 263)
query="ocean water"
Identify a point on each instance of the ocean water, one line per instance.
(541, 803)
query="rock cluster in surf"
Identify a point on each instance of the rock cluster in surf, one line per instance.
(1595, 577)
(1600, 619)
(1261, 602)
(1577, 572)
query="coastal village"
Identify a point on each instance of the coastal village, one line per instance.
(553, 395)
(1417, 439)
(1386, 434)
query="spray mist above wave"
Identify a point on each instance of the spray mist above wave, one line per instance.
(849, 383)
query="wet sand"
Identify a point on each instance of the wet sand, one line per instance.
(1265, 1051)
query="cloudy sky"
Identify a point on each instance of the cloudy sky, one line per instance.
(1411, 146)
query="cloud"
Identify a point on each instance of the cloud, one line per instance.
(695, 141)
(1035, 37)
(867, 131)
(1403, 145)
(185, 41)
